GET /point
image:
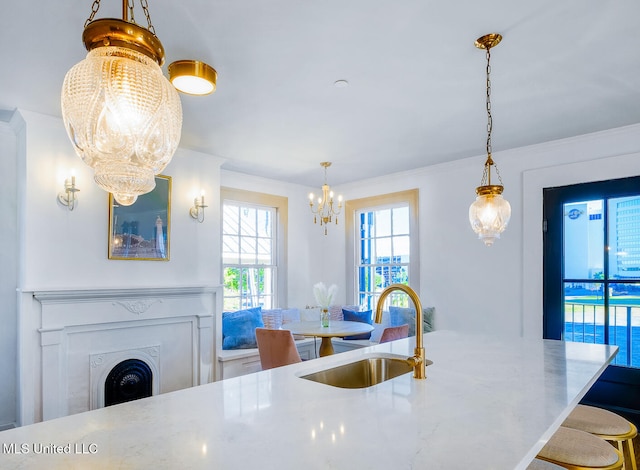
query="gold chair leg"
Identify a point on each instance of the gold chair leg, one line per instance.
(624, 459)
(632, 456)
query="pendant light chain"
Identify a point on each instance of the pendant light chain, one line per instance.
(486, 175)
(131, 17)
(94, 9)
(489, 118)
(145, 9)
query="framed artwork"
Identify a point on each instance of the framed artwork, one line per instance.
(141, 231)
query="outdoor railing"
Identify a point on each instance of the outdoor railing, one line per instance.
(585, 323)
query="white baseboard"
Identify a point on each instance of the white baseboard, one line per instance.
(5, 426)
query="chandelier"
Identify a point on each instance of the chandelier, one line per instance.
(490, 212)
(122, 115)
(325, 210)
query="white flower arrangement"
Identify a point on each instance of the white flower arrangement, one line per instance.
(324, 296)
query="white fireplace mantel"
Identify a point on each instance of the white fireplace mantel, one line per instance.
(63, 331)
(90, 295)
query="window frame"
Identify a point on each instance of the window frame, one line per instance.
(382, 201)
(280, 228)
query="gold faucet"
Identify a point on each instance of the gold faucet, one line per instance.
(418, 360)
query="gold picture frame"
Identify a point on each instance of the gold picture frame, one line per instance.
(142, 230)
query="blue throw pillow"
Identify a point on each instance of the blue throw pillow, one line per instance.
(401, 315)
(363, 317)
(239, 328)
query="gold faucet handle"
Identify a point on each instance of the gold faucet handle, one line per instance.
(414, 360)
(419, 363)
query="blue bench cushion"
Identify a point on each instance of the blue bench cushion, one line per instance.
(401, 315)
(364, 317)
(239, 328)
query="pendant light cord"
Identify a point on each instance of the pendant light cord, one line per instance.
(486, 175)
(489, 118)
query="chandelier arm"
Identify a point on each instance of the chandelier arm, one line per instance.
(314, 211)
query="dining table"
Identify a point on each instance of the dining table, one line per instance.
(335, 329)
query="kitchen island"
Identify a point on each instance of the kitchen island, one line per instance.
(487, 403)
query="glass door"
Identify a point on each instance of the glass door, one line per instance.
(592, 280)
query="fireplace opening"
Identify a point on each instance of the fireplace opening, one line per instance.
(129, 380)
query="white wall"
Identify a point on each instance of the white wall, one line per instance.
(473, 287)
(61, 249)
(68, 249)
(11, 158)
(496, 289)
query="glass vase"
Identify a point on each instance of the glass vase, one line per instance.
(324, 317)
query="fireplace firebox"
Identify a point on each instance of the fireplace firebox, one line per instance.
(129, 380)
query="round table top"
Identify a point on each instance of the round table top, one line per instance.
(335, 328)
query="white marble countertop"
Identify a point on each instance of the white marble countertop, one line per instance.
(487, 403)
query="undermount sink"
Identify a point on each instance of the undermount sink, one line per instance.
(363, 373)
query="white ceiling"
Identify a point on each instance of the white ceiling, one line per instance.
(417, 83)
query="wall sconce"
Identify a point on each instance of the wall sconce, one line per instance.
(197, 211)
(68, 196)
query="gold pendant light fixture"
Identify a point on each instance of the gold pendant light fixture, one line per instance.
(325, 211)
(490, 212)
(122, 115)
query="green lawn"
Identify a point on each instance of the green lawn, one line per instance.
(618, 300)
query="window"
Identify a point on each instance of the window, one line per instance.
(253, 249)
(601, 298)
(383, 246)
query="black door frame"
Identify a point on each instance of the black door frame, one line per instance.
(618, 388)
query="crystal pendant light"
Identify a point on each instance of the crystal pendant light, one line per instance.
(122, 115)
(490, 213)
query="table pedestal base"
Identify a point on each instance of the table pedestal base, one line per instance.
(326, 347)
